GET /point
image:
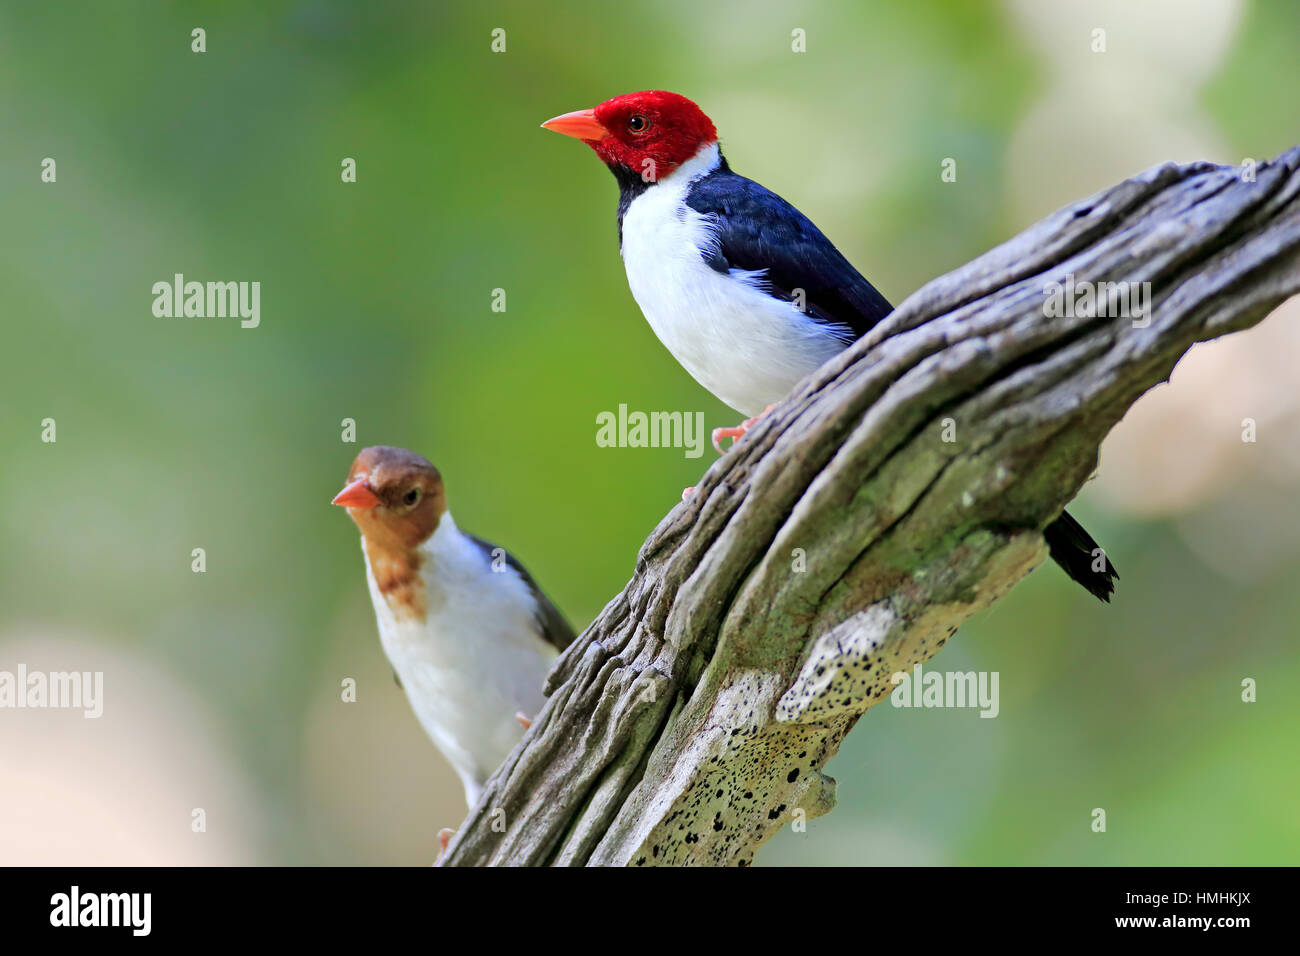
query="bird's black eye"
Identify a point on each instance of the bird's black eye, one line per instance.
(411, 497)
(638, 124)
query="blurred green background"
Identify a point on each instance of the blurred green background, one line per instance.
(223, 688)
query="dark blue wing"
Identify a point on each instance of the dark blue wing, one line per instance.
(757, 229)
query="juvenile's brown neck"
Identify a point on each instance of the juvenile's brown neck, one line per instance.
(393, 550)
(396, 568)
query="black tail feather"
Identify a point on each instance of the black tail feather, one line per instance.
(1074, 550)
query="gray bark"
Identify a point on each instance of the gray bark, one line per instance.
(693, 718)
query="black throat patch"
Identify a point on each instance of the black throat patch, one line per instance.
(630, 185)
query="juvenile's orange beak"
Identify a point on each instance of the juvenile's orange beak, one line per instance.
(580, 124)
(356, 495)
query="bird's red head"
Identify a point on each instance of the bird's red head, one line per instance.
(650, 133)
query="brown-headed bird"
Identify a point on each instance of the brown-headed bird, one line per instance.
(468, 632)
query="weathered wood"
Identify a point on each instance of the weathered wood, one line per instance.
(693, 717)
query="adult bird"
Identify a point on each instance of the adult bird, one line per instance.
(746, 293)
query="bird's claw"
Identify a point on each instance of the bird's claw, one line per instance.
(525, 721)
(737, 432)
(444, 837)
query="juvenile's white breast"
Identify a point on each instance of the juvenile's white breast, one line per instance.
(474, 661)
(746, 347)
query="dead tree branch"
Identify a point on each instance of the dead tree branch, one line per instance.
(695, 714)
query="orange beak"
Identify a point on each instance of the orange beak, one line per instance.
(356, 495)
(580, 124)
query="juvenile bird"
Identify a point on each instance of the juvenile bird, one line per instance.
(468, 632)
(746, 293)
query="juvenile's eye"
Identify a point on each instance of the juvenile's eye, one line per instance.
(411, 497)
(638, 124)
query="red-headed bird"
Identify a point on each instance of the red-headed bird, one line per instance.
(746, 293)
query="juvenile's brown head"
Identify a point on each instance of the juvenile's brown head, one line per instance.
(396, 498)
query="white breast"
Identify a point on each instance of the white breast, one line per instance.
(746, 347)
(477, 658)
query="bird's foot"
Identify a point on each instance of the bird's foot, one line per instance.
(444, 837)
(686, 492)
(737, 432)
(525, 721)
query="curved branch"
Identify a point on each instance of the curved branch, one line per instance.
(694, 716)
